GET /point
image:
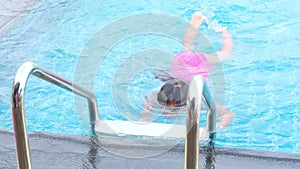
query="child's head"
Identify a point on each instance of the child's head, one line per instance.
(173, 93)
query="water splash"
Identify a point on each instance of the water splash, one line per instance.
(214, 25)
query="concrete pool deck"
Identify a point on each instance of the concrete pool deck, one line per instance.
(58, 151)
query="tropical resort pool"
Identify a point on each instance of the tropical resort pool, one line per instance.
(259, 83)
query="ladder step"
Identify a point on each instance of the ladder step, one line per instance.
(137, 129)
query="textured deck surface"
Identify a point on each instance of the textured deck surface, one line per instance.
(71, 151)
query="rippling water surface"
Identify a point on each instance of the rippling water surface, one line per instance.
(261, 79)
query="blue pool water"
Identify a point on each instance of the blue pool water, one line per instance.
(261, 79)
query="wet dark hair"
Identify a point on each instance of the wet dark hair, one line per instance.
(174, 91)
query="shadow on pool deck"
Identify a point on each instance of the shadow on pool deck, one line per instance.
(71, 151)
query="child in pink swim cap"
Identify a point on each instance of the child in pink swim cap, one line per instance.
(187, 64)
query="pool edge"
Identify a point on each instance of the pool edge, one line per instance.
(260, 154)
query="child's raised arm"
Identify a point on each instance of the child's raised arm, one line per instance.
(226, 49)
(192, 31)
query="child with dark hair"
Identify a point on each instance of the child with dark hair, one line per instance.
(173, 94)
(170, 100)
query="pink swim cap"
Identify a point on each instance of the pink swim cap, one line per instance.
(185, 65)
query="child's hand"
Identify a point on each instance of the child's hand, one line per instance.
(147, 106)
(226, 34)
(220, 126)
(146, 115)
(197, 19)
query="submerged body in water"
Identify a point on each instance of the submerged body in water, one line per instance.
(172, 96)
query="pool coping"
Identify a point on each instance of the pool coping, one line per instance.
(54, 150)
(261, 154)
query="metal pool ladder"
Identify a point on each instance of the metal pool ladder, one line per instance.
(197, 89)
(17, 105)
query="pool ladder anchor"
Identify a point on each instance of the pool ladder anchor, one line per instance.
(197, 89)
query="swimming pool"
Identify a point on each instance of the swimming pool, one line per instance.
(261, 78)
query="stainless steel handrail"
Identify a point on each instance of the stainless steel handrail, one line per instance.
(18, 112)
(197, 89)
